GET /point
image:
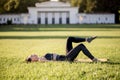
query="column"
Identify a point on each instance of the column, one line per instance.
(64, 16)
(42, 17)
(57, 15)
(50, 18)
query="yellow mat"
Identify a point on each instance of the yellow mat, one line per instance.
(88, 60)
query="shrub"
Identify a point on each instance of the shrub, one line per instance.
(9, 22)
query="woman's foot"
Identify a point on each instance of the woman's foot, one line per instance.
(90, 39)
(96, 60)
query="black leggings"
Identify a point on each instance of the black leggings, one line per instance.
(72, 53)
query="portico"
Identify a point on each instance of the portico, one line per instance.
(53, 12)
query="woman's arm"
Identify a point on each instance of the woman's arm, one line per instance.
(43, 59)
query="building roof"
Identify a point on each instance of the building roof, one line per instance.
(52, 4)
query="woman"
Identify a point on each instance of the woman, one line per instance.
(71, 53)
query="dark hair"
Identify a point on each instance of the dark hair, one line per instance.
(28, 60)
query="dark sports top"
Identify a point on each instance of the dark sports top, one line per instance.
(56, 57)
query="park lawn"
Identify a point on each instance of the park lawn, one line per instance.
(19, 41)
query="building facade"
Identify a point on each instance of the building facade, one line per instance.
(54, 12)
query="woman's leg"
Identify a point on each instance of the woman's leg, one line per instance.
(73, 53)
(69, 43)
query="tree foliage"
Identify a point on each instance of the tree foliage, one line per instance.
(107, 5)
(2, 2)
(88, 6)
(11, 5)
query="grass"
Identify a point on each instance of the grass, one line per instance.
(19, 41)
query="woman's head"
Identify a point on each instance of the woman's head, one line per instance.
(32, 58)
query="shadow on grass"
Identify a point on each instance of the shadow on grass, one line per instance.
(112, 63)
(33, 37)
(88, 27)
(53, 37)
(108, 63)
(62, 30)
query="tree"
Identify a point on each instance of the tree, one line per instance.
(2, 2)
(90, 5)
(11, 5)
(17, 6)
(107, 5)
(87, 6)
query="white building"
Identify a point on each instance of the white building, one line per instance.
(55, 12)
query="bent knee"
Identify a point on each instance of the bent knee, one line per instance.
(82, 45)
(70, 38)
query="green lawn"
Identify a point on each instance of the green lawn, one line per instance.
(19, 41)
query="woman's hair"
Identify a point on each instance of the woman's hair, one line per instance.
(32, 58)
(28, 60)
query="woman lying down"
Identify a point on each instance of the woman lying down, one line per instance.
(71, 53)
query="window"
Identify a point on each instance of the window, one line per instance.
(39, 20)
(3, 19)
(17, 19)
(106, 18)
(60, 20)
(68, 20)
(99, 18)
(53, 20)
(14, 19)
(46, 20)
